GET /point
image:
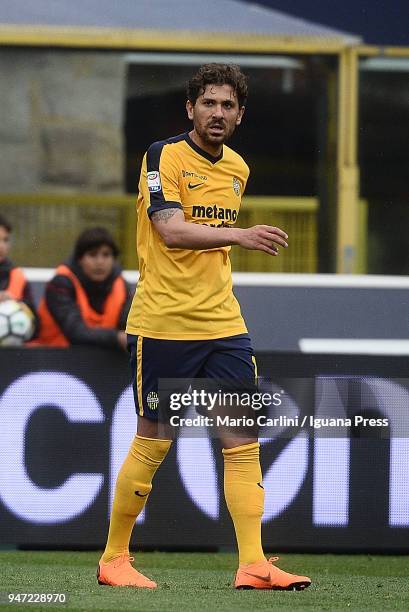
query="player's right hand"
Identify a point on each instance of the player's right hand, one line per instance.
(263, 238)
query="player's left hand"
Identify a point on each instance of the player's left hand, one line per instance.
(122, 339)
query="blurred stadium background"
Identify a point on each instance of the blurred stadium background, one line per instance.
(85, 88)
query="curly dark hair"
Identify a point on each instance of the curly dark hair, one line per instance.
(93, 238)
(218, 74)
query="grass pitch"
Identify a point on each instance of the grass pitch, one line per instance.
(194, 582)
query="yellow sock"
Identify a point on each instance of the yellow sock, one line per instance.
(245, 498)
(133, 485)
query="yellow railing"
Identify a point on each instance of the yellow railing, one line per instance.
(47, 225)
(297, 217)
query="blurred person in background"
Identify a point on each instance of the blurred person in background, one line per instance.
(87, 301)
(13, 283)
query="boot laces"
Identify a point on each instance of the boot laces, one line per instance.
(273, 560)
(123, 559)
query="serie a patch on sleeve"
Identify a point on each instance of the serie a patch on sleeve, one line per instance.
(154, 183)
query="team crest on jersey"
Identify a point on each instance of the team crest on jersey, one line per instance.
(152, 400)
(154, 183)
(236, 186)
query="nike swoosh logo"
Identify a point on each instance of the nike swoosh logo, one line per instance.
(140, 494)
(260, 485)
(191, 186)
(263, 578)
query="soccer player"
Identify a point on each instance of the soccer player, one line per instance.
(87, 301)
(13, 283)
(185, 321)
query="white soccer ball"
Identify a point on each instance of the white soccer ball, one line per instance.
(16, 323)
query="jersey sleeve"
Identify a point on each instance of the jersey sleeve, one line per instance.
(162, 176)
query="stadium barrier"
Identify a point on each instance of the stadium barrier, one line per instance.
(298, 217)
(67, 420)
(292, 312)
(46, 226)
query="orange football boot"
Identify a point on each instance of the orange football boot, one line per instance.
(265, 575)
(119, 572)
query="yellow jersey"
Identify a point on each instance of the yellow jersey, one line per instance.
(185, 294)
